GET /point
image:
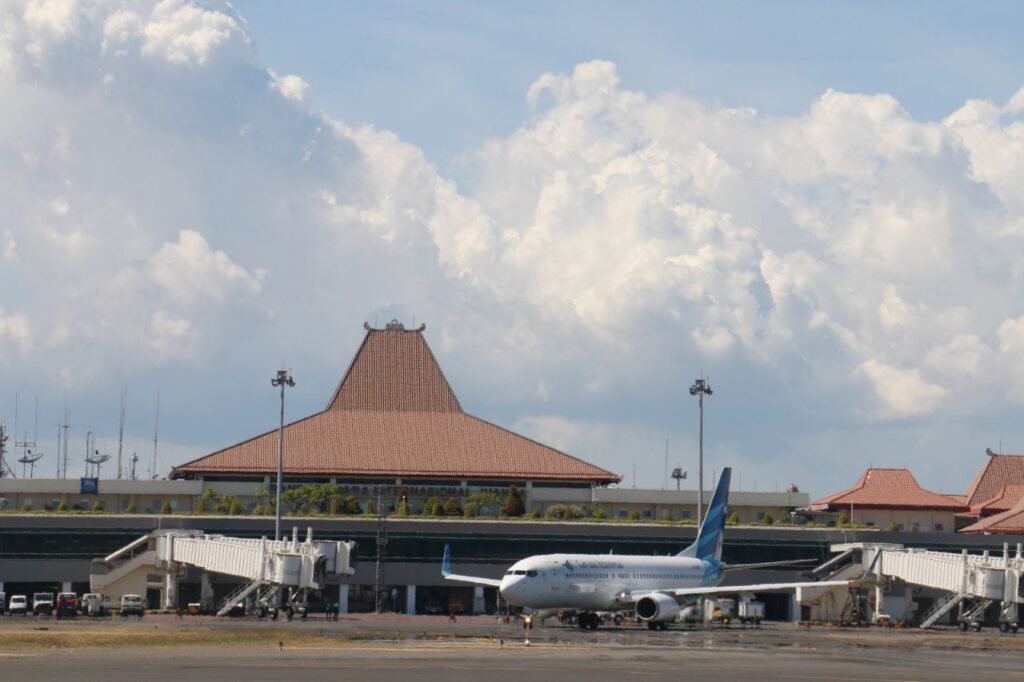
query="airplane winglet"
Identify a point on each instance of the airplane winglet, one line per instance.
(446, 563)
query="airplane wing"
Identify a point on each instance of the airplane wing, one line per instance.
(767, 564)
(446, 571)
(763, 587)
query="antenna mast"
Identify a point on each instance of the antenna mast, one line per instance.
(120, 430)
(156, 437)
(63, 454)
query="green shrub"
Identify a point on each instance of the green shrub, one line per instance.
(469, 511)
(26, 507)
(733, 520)
(351, 505)
(767, 519)
(304, 509)
(403, 505)
(634, 515)
(130, 509)
(555, 511)
(534, 513)
(486, 502)
(63, 506)
(368, 510)
(166, 508)
(452, 508)
(513, 503)
(200, 506)
(844, 520)
(234, 506)
(598, 514)
(893, 526)
(97, 506)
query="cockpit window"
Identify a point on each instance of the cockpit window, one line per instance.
(518, 572)
(531, 574)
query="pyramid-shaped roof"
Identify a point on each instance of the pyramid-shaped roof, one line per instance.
(1010, 521)
(998, 471)
(395, 415)
(887, 489)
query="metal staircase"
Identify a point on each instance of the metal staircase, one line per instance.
(941, 608)
(243, 591)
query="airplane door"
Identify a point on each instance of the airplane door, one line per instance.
(555, 578)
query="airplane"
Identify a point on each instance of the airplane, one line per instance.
(653, 587)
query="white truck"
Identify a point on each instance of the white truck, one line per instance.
(91, 604)
(132, 605)
(42, 603)
(18, 605)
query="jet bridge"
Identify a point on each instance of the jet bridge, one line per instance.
(969, 583)
(158, 559)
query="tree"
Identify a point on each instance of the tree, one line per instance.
(634, 515)
(403, 504)
(598, 514)
(469, 511)
(555, 511)
(844, 520)
(351, 505)
(893, 526)
(432, 507)
(97, 506)
(486, 502)
(369, 511)
(452, 508)
(130, 509)
(733, 520)
(166, 508)
(63, 506)
(767, 519)
(513, 502)
(234, 506)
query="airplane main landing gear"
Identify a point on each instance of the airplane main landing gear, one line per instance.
(657, 626)
(588, 621)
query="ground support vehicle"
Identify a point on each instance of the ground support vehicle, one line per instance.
(750, 612)
(132, 605)
(18, 606)
(67, 605)
(91, 604)
(42, 603)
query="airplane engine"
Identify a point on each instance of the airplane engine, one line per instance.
(657, 608)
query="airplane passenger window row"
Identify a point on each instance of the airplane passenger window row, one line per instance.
(529, 574)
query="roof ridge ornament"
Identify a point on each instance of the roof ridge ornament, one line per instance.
(393, 326)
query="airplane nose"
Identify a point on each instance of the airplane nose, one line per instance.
(511, 590)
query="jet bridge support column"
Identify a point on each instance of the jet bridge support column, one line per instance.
(171, 587)
(478, 601)
(205, 592)
(342, 598)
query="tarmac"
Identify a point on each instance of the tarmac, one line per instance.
(400, 648)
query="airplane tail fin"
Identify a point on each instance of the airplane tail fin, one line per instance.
(708, 544)
(446, 562)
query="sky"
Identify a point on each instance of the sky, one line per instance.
(589, 205)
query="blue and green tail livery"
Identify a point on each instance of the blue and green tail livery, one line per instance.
(708, 545)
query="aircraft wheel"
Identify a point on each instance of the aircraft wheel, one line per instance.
(963, 625)
(273, 614)
(1014, 627)
(652, 626)
(261, 613)
(617, 618)
(976, 626)
(595, 621)
(1004, 627)
(289, 612)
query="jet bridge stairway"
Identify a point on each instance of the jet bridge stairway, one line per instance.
(300, 567)
(971, 582)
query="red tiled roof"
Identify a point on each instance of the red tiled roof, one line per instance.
(1004, 500)
(394, 414)
(1010, 521)
(394, 370)
(887, 489)
(998, 471)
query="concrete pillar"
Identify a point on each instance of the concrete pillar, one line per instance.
(342, 598)
(1, 585)
(879, 601)
(908, 599)
(65, 586)
(205, 592)
(171, 588)
(794, 607)
(478, 601)
(410, 600)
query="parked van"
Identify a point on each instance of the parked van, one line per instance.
(132, 605)
(91, 604)
(42, 603)
(18, 605)
(67, 605)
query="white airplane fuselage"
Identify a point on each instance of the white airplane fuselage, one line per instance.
(598, 581)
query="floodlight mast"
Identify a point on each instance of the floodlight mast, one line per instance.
(282, 379)
(700, 388)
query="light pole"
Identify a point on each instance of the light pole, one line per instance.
(700, 388)
(282, 379)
